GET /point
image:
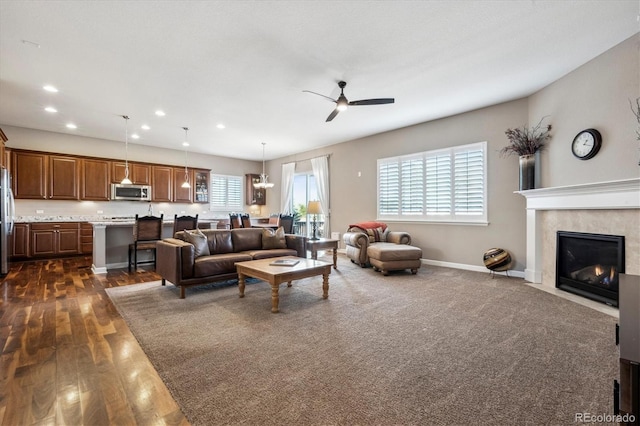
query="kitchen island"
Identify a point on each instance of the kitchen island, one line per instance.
(111, 239)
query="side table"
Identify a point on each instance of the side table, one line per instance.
(321, 244)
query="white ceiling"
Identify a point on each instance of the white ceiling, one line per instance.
(246, 63)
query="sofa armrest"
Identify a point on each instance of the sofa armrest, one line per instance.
(399, 237)
(174, 259)
(297, 243)
(356, 239)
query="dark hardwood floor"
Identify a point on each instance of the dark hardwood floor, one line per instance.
(68, 358)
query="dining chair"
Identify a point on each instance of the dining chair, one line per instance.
(286, 221)
(246, 220)
(274, 220)
(181, 223)
(147, 231)
(234, 221)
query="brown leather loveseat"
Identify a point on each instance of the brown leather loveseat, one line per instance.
(182, 263)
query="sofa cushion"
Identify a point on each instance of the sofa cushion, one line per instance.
(199, 241)
(246, 239)
(218, 264)
(267, 253)
(220, 242)
(273, 239)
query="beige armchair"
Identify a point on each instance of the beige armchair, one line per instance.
(359, 237)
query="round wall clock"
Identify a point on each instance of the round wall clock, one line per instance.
(586, 144)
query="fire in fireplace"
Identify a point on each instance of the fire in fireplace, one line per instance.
(589, 264)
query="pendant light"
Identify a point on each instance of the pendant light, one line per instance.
(185, 184)
(263, 177)
(126, 180)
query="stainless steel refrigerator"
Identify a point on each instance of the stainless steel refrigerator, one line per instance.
(7, 209)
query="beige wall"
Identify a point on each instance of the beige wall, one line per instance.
(596, 95)
(353, 197)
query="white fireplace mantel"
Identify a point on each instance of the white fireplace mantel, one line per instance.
(619, 194)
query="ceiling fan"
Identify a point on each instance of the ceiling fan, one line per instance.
(342, 102)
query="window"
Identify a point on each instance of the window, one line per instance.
(305, 190)
(445, 185)
(226, 193)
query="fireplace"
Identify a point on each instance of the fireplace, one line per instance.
(589, 264)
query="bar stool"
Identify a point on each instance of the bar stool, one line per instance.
(235, 221)
(147, 231)
(246, 220)
(181, 223)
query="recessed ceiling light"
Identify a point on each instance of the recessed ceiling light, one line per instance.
(145, 127)
(50, 109)
(50, 88)
(135, 136)
(220, 126)
(71, 126)
(160, 113)
(185, 143)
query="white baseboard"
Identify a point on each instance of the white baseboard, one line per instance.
(476, 268)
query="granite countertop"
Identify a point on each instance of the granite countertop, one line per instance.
(97, 220)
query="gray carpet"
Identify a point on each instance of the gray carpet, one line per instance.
(442, 347)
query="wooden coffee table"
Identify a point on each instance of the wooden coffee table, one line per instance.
(276, 275)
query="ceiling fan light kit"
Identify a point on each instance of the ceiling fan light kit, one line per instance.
(342, 102)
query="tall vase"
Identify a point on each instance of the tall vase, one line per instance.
(527, 172)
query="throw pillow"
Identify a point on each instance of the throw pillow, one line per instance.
(199, 241)
(377, 234)
(273, 239)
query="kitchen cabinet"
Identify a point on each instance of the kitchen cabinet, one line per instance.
(64, 177)
(94, 180)
(140, 174)
(161, 183)
(180, 194)
(254, 196)
(52, 239)
(29, 174)
(86, 238)
(201, 179)
(19, 240)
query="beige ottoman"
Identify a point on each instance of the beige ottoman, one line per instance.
(387, 257)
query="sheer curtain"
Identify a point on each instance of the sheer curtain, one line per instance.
(286, 194)
(320, 167)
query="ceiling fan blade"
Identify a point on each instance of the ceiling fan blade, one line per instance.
(332, 115)
(326, 97)
(379, 101)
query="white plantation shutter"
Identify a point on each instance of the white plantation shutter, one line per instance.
(226, 193)
(446, 185)
(388, 185)
(469, 182)
(438, 184)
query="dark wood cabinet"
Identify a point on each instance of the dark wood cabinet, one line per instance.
(86, 238)
(29, 175)
(161, 183)
(201, 179)
(64, 175)
(254, 196)
(95, 180)
(140, 174)
(51, 239)
(19, 241)
(180, 194)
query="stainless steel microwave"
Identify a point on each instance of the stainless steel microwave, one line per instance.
(130, 192)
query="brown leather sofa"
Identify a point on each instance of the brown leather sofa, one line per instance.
(178, 264)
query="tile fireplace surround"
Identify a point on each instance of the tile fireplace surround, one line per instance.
(599, 208)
